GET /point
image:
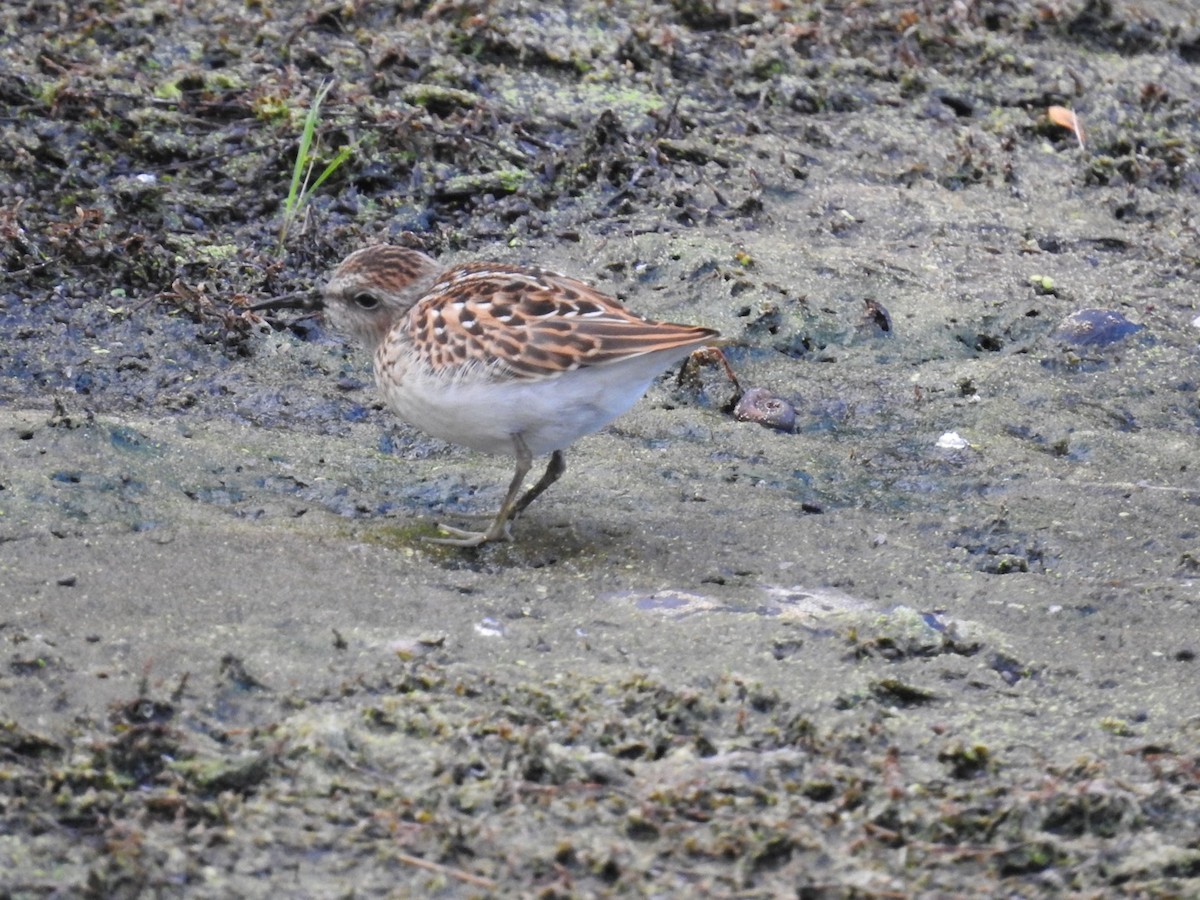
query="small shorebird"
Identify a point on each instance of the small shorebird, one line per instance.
(503, 359)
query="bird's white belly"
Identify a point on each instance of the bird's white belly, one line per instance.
(548, 414)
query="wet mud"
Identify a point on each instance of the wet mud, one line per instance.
(910, 609)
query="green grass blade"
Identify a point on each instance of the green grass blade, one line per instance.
(342, 155)
(299, 189)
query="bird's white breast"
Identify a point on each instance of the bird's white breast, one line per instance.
(549, 414)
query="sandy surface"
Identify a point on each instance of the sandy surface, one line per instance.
(857, 658)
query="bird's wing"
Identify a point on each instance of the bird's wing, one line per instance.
(530, 324)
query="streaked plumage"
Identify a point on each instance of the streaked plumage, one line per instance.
(500, 358)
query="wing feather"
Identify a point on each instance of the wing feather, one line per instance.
(531, 324)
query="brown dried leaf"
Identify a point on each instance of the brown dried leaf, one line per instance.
(1065, 118)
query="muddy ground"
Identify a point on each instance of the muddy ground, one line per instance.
(938, 639)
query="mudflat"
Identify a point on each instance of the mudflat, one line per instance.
(938, 637)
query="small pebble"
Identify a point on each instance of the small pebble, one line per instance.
(1094, 328)
(766, 408)
(875, 319)
(951, 440)
(489, 627)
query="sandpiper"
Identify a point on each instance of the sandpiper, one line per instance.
(500, 358)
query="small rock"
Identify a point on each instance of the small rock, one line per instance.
(766, 408)
(1094, 328)
(876, 319)
(952, 440)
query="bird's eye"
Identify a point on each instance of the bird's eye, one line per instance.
(365, 300)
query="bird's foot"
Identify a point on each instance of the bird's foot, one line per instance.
(458, 537)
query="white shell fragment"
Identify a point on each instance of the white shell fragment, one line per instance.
(952, 440)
